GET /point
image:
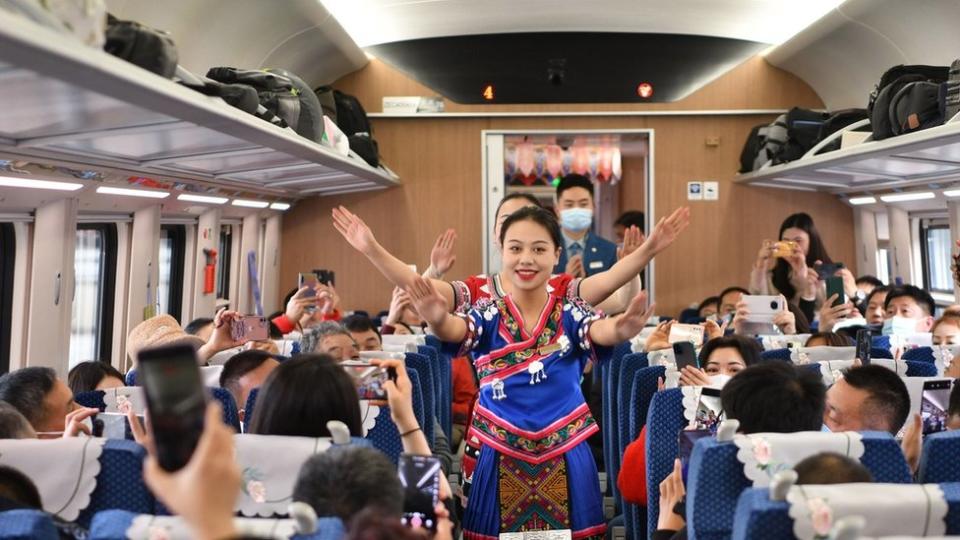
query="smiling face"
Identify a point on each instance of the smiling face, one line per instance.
(529, 255)
(725, 361)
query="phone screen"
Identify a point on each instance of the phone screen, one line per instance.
(864, 342)
(176, 401)
(685, 443)
(420, 477)
(685, 354)
(250, 328)
(369, 379)
(934, 403)
(835, 287)
(709, 410)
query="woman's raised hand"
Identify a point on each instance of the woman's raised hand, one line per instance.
(442, 256)
(427, 301)
(668, 229)
(353, 229)
(765, 258)
(632, 240)
(632, 321)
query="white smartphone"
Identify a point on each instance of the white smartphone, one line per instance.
(763, 308)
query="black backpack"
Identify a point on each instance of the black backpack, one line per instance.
(327, 102)
(275, 92)
(351, 118)
(951, 91)
(750, 149)
(916, 106)
(141, 45)
(892, 81)
(803, 131)
(366, 147)
(837, 121)
(310, 123)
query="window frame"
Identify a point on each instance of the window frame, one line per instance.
(174, 301)
(925, 228)
(8, 260)
(108, 276)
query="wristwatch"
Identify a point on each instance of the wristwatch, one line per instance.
(860, 296)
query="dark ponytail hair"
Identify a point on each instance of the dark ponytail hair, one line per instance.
(816, 252)
(515, 195)
(538, 215)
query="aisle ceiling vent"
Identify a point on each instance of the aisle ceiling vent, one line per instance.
(569, 51)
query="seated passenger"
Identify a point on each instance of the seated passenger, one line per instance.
(164, 330)
(244, 372)
(874, 310)
(88, 376)
(709, 307)
(304, 393)
(775, 397)
(363, 332)
(831, 468)
(867, 398)
(789, 321)
(729, 298)
(721, 358)
(46, 402)
(946, 330)
(13, 425)
(865, 286)
(202, 328)
(911, 302)
(827, 339)
(630, 218)
(329, 338)
(345, 480)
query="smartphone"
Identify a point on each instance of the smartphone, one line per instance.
(763, 308)
(309, 279)
(250, 328)
(420, 477)
(709, 410)
(369, 379)
(176, 401)
(864, 343)
(784, 248)
(685, 354)
(686, 332)
(685, 443)
(327, 277)
(835, 287)
(825, 271)
(934, 403)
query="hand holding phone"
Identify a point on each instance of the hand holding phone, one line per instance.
(784, 248)
(420, 478)
(250, 328)
(176, 402)
(370, 379)
(308, 279)
(835, 287)
(686, 332)
(685, 355)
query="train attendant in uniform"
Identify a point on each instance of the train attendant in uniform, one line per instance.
(584, 253)
(535, 470)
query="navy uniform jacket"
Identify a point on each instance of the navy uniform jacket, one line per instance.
(598, 255)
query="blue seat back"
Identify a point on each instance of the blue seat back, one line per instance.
(130, 379)
(384, 435)
(715, 480)
(113, 525)
(442, 387)
(230, 415)
(920, 354)
(120, 482)
(759, 517)
(645, 385)
(92, 399)
(920, 368)
(629, 367)
(776, 354)
(421, 365)
(665, 421)
(611, 376)
(940, 461)
(248, 408)
(27, 525)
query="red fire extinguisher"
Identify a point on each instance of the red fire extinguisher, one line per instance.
(210, 271)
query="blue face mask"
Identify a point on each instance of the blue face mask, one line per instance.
(576, 219)
(900, 326)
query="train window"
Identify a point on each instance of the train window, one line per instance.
(883, 264)
(7, 259)
(95, 269)
(173, 244)
(225, 253)
(935, 250)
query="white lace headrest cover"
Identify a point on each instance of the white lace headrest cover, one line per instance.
(270, 465)
(765, 454)
(149, 527)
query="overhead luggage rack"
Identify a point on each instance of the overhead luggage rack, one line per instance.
(898, 162)
(67, 102)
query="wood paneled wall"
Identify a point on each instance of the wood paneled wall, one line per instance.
(439, 163)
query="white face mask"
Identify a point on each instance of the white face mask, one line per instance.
(576, 219)
(717, 381)
(899, 326)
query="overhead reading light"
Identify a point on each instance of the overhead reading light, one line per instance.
(107, 190)
(903, 197)
(7, 181)
(280, 206)
(862, 200)
(202, 198)
(952, 193)
(250, 204)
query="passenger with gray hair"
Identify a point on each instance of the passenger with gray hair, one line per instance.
(14, 425)
(329, 338)
(46, 402)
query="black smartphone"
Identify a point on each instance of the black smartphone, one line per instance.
(176, 401)
(420, 477)
(685, 443)
(709, 410)
(864, 344)
(327, 277)
(934, 402)
(685, 354)
(825, 271)
(835, 287)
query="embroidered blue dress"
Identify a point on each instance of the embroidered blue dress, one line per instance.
(535, 470)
